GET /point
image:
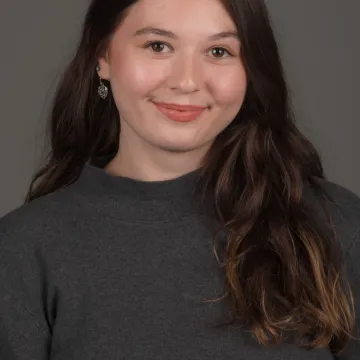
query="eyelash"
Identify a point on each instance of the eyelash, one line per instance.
(152, 43)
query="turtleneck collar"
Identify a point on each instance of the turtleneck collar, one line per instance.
(135, 200)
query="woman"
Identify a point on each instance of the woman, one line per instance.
(180, 214)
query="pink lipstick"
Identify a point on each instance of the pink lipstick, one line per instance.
(180, 113)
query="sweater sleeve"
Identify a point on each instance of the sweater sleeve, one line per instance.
(352, 352)
(21, 335)
(24, 329)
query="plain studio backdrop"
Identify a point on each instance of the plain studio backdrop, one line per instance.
(319, 44)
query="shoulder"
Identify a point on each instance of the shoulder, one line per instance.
(37, 220)
(343, 206)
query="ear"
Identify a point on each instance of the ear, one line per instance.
(104, 72)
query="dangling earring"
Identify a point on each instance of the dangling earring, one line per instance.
(102, 89)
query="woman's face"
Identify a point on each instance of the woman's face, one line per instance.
(182, 52)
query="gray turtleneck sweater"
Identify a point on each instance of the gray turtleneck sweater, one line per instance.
(114, 268)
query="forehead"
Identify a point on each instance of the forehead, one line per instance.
(194, 17)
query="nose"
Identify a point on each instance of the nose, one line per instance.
(185, 75)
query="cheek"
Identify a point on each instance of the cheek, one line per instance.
(228, 87)
(135, 77)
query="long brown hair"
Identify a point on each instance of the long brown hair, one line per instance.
(282, 266)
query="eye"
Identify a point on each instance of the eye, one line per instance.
(220, 52)
(157, 46)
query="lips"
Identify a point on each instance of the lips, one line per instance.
(180, 113)
(180, 107)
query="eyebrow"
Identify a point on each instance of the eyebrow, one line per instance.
(169, 34)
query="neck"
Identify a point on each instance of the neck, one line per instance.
(140, 160)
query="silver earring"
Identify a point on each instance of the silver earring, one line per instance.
(102, 89)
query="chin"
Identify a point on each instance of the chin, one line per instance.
(179, 146)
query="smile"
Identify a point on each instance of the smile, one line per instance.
(180, 113)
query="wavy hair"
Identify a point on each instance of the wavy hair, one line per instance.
(282, 265)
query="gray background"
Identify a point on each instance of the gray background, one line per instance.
(318, 41)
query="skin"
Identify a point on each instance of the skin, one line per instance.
(191, 69)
